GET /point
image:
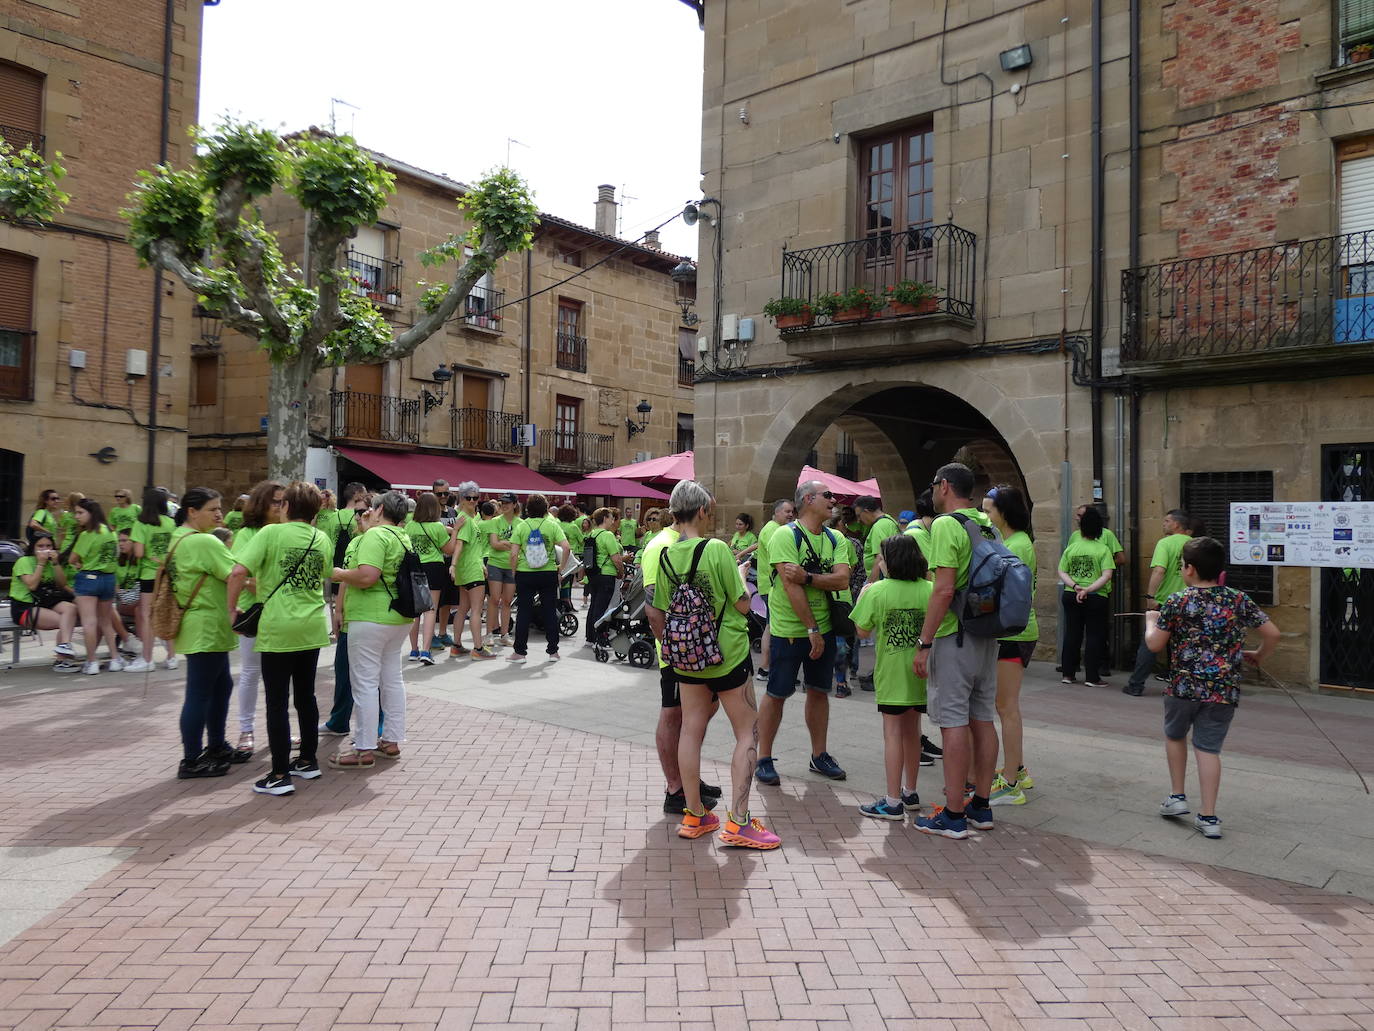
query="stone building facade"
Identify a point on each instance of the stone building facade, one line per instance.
(1021, 160)
(601, 334)
(85, 368)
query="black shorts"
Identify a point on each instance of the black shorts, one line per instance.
(437, 575)
(667, 688)
(146, 586)
(1015, 651)
(737, 677)
(475, 583)
(24, 613)
(900, 710)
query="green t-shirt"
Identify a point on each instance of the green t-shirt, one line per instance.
(1085, 561)
(381, 547)
(294, 556)
(66, 527)
(782, 547)
(428, 540)
(124, 518)
(233, 520)
(649, 564)
(126, 576)
(205, 625)
(503, 531)
(895, 610)
(740, 541)
(98, 550)
(327, 522)
(47, 520)
(573, 534)
(1169, 554)
(921, 534)
(628, 533)
(883, 527)
(1018, 542)
(718, 576)
(350, 562)
(155, 540)
(552, 530)
(471, 535)
(606, 546)
(238, 546)
(19, 591)
(1108, 538)
(950, 548)
(765, 573)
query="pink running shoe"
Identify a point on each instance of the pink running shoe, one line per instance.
(694, 826)
(750, 835)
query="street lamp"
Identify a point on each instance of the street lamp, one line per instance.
(442, 375)
(643, 408)
(211, 326)
(684, 276)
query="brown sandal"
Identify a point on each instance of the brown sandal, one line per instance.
(388, 750)
(352, 759)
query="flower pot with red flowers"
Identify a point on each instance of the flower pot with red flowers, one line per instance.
(858, 302)
(790, 312)
(910, 297)
(1360, 52)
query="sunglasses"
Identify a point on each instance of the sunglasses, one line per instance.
(472, 497)
(827, 495)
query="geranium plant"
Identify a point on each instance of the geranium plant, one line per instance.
(856, 298)
(910, 291)
(787, 306)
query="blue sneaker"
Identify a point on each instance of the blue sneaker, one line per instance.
(939, 823)
(448, 640)
(981, 819)
(880, 810)
(414, 654)
(436, 642)
(826, 766)
(764, 772)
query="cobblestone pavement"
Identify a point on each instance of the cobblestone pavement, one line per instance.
(510, 872)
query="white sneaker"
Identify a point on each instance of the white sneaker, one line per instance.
(139, 665)
(171, 663)
(1175, 805)
(65, 650)
(91, 669)
(116, 665)
(1210, 826)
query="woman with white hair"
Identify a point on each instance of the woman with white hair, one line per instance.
(468, 573)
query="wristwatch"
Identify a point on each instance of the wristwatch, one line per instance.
(808, 579)
(926, 645)
(812, 630)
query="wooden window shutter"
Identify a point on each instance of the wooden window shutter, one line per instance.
(16, 291)
(21, 106)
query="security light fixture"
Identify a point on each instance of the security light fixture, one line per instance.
(1016, 58)
(442, 375)
(643, 408)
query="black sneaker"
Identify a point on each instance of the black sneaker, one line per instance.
(911, 800)
(274, 784)
(826, 766)
(930, 750)
(865, 683)
(676, 803)
(710, 789)
(226, 753)
(194, 769)
(303, 769)
(842, 690)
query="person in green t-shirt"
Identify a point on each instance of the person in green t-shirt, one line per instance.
(706, 564)
(919, 528)
(1085, 569)
(500, 572)
(744, 541)
(124, 512)
(93, 554)
(266, 505)
(880, 526)
(808, 561)
(610, 564)
(1006, 507)
(1108, 538)
(891, 611)
(199, 565)
(152, 535)
(432, 541)
(233, 519)
(45, 517)
(39, 571)
(467, 572)
(629, 532)
(961, 668)
(536, 579)
(784, 511)
(569, 518)
(342, 709)
(66, 521)
(1166, 578)
(287, 561)
(376, 636)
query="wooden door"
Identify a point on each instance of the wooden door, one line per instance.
(16, 325)
(362, 414)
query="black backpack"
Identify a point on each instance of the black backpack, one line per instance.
(412, 597)
(589, 552)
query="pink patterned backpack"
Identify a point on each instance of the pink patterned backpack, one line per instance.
(690, 643)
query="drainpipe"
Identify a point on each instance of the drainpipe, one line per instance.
(1098, 247)
(155, 358)
(1132, 261)
(529, 279)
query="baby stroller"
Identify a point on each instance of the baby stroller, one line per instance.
(624, 628)
(568, 623)
(757, 617)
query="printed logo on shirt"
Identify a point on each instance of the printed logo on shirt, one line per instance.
(107, 553)
(1082, 567)
(158, 543)
(903, 627)
(309, 575)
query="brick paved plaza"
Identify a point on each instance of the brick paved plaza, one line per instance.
(511, 872)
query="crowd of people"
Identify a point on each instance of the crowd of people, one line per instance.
(290, 569)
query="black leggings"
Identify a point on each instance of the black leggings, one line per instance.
(528, 586)
(281, 671)
(1085, 627)
(603, 588)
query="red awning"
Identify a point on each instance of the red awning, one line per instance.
(407, 470)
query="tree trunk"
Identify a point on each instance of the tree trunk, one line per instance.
(288, 424)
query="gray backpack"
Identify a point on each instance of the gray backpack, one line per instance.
(997, 601)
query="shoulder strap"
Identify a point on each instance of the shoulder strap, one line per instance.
(163, 565)
(294, 569)
(696, 559)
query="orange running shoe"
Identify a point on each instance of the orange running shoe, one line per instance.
(749, 835)
(694, 826)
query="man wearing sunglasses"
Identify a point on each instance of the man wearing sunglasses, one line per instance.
(809, 559)
(448, 510)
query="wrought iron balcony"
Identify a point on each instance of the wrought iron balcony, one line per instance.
(355, 416)
(1292, 304)
(572, 452)
(944, 256)
(572, 352)
(20, 138)
(847, 465)
(378, 279)
(482, 308)
(686, 371)
(484, 430)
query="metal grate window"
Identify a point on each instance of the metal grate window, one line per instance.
(1208, 497)
(1347, 599)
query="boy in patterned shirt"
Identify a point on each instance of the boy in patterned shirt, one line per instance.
(1203, 626)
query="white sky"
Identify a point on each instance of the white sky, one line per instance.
(599, 91)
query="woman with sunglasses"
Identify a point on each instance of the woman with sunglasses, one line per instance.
(45, 517)
(264, 507)
(124, 513)
(152, 536)
(467, 572)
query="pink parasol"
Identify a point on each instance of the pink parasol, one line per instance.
(670, 467)
(614, 487)
(844, 490)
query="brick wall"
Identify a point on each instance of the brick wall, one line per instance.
(1225, 48)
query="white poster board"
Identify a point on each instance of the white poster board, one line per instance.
(1303, 533)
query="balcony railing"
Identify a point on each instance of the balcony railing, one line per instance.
(572, 352)
(481, 429)
(355, 416)
(942, 255)
(378, 279)
(20, 138)
(847, 465)
(1263, 307)
(483, 308)
(686, 371)
(565, 452)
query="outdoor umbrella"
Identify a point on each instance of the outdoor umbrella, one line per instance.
(871, 487)
(844, 490)
(671, 468)
(614, 487)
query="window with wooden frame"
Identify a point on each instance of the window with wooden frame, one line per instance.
(17, 273)
(1354, 31)
(205, 379)
(896, 206)
(567, 422)
(572, 345)
(21, 106)
(1354, 246)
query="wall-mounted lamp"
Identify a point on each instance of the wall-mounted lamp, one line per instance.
(684, 276)
(442, 375)
(643, 408)
(211, 326)
(1016, 58)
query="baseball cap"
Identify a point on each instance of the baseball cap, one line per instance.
(509, 496)
(906, 515)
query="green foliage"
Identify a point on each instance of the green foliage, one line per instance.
(169, 205)
(855, 298)
(245, 152)
(787, 306)
(28, 184)
(337, 182)
(501, 202)
(450, 250)
(431, 295)
(364, 332)
(910, 291)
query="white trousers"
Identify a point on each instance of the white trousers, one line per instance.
(250, 677)
(374, 666)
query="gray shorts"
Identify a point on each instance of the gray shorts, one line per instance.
(1210, 722)
(962, 684)
(497, 575)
